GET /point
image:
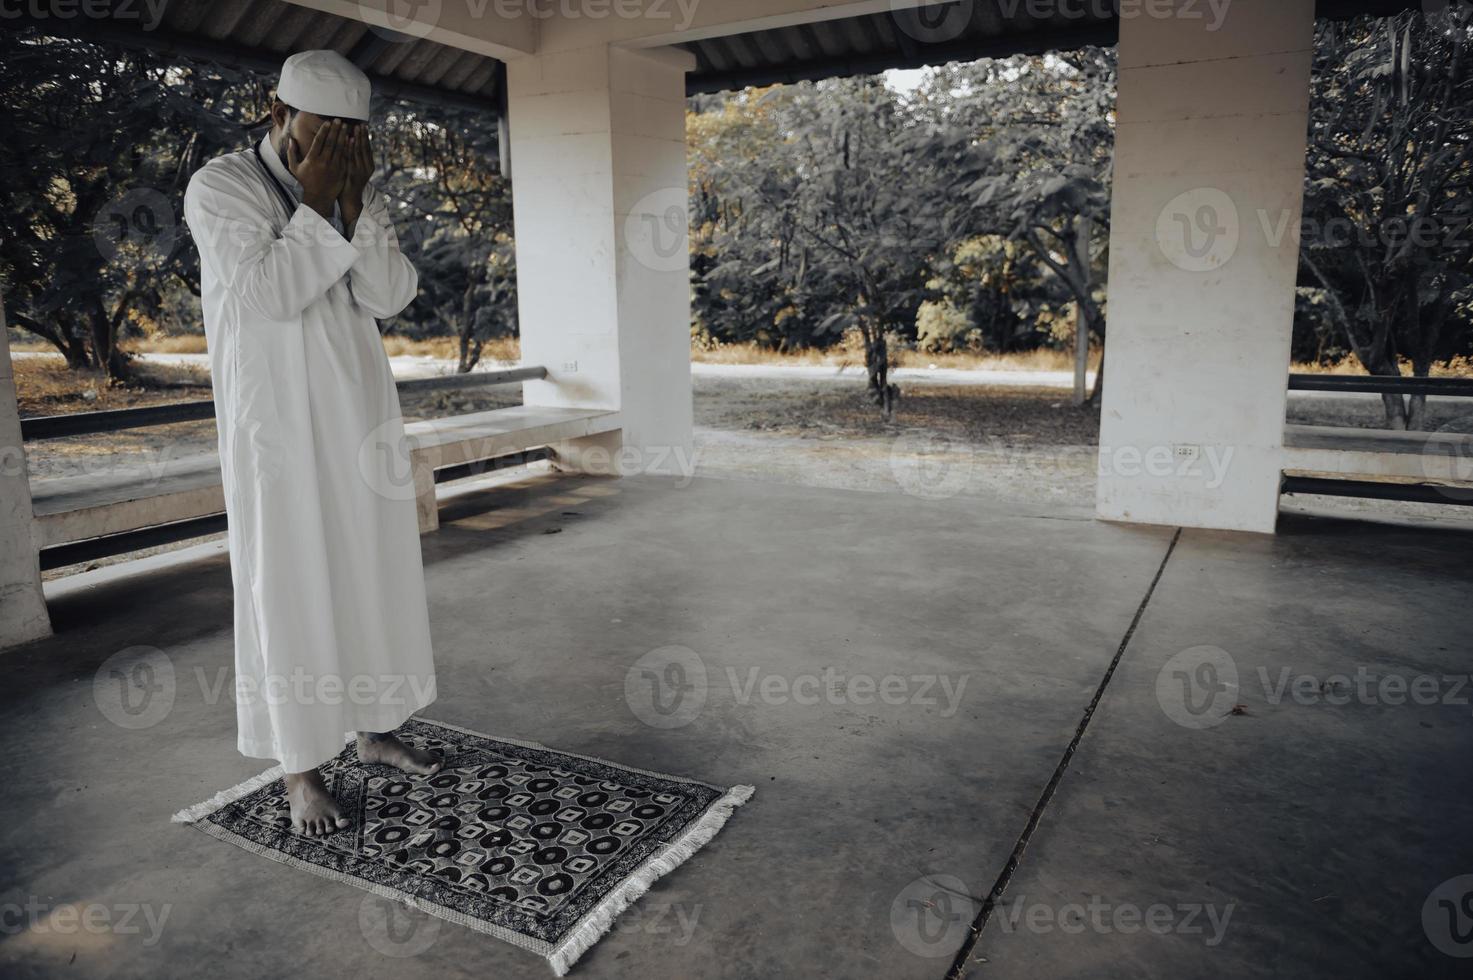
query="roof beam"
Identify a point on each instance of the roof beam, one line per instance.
(497, 30)
(678, 21)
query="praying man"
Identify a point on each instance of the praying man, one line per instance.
(297, 260)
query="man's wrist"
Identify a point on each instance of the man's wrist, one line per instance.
(319, 203)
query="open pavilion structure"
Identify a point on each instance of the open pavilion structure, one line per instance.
(1062, 774)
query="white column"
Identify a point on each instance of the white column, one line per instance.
(1204, 245)
(599, 195)
(22, 606)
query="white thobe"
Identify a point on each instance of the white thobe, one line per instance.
(331, 629)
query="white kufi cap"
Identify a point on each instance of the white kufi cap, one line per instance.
(324, 83)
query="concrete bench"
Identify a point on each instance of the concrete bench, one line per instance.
(76, 508)
(459, 439)
(1423, 466)
(81, 508)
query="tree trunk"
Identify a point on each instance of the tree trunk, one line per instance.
(1396, 411)
(105, 331)
(1099, 392)
(470, 348)
(1416, 416)
(1416, 412)
(877, 365)
(1081, 311)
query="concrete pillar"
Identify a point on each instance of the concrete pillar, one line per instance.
(600, 202)
(22, 606)
(1204, 246)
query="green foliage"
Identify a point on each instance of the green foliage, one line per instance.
(453, 209)
(970, 214)
(965, 216)
(998, 297)
(1389, 192)
(96, 148)
(99, 143)
(834, 227)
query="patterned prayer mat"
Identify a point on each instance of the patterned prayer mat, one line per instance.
(536, 847)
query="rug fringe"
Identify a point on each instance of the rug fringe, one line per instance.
(601, 918)
(196, 813)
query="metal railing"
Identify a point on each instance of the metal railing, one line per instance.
(1421, 493)
(1382, 384)
(119, 419)
(172, 532)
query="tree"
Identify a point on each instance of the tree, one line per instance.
(737, 239)
(857, 201)
(98, 144)
(1389, 191)
(993, 294)
(95, 150)
(440, 170)
(1045, 127)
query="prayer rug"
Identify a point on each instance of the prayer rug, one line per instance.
(539, 848)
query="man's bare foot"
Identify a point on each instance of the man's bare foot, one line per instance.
(386, 749)
(314, 812)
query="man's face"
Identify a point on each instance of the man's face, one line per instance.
(300, 126)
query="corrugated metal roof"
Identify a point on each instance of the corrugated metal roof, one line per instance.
(961, 31)
(259, 33)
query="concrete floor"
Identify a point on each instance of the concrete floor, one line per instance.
(1317, 830)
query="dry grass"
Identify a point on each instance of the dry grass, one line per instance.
(829, 410)
(183, 343)
(46, 386)
(847, 354)
(851, 355)
(446, 348)
(1459, 367)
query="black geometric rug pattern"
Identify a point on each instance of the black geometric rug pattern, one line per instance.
(534, 846)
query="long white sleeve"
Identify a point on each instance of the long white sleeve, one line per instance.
(275, 276)
(383, 281)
